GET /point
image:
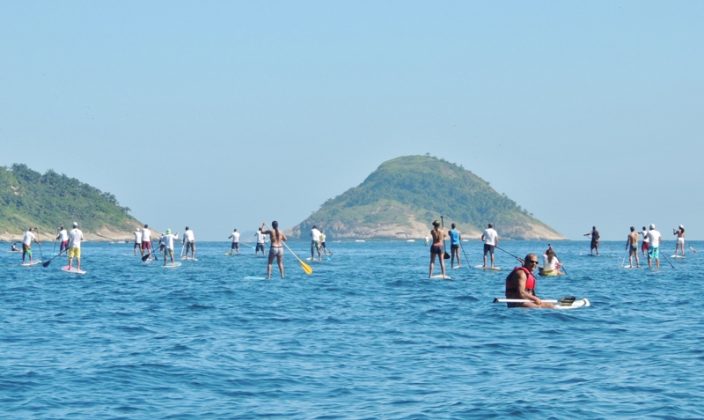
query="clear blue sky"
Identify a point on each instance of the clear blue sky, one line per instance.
(222, 114)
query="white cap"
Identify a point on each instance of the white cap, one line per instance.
(652, 226)
(75, 224)
(681, 226)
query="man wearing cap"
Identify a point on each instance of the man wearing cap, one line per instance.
(654, 247)
(679, 232)
(75, 236)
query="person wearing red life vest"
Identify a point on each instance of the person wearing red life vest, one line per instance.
(521, 283)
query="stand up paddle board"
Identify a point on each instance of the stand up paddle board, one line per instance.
(254, 278)
(31, 264)
(441, 277)
(172, 265)
(189, 259)
(578, 303)
(562, 304)
(73, 270)
(677, 256)
(550, 273)
(481, 267)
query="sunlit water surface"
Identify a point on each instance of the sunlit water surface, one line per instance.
(368, 335)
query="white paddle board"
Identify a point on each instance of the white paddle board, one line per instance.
(481, 267)
(189, 259)
(32, 264)
(254, 278)
(173, 265)
(677, 256)
(440, 276)
(578, 303)
(73, 270)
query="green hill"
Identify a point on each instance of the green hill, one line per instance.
(28, 198)
(404, 195)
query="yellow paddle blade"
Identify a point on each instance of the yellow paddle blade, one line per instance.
(306, 268)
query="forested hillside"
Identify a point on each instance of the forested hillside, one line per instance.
(28, 198)
(403, 196)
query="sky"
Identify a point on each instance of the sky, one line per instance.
(223, 114)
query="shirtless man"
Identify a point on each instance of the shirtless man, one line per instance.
(632, 247)
(436, 249)
(594, 245)
(276, 249)
(521, 283)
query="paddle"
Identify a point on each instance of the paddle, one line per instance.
(668, 260)
(148, 254)
(466, 258)
(501, 249)
(41, 252)
(499, 300)
(47, 262)
(566, 300)
(444, 246)
(306, 268)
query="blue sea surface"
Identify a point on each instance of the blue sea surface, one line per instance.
(367, 335)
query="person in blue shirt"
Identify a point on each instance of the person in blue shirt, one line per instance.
(455, 239)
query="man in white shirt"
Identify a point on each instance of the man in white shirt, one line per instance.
(654, 238)
(260, 241)
(27, 239)
(146, 241)
(189, 239)
(63, 238)
(491, 240)
(314, 242)
(168, 241)
(75, 236)
(235, 236)
(137, 242)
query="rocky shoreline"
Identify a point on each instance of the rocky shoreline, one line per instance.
(103, 234)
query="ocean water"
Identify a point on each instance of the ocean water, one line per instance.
(366, 336)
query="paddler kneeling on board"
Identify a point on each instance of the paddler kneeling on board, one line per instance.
(521, 283)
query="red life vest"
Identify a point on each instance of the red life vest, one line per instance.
(530, 279)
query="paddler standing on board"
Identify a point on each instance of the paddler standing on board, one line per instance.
(646, 242)
(521, 283)
(235, 247)
(62, 236)
(276, 247)
(75, 236)
(137, 242)
(455, 243)
(168, 240)
(654, 250)
(491, 240)
(594, 245)
(146, 241)
(632, 247)
(436, 249)
(27, 239)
